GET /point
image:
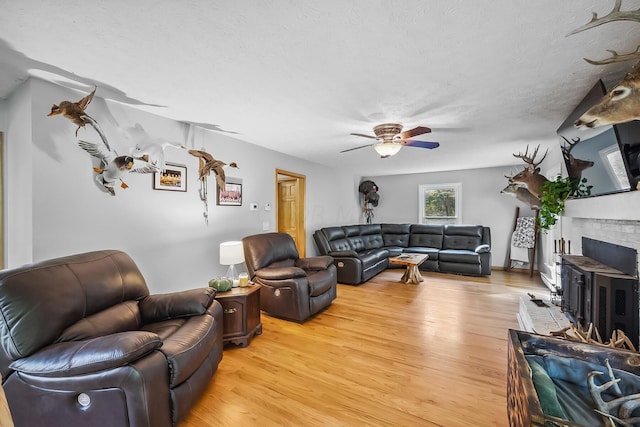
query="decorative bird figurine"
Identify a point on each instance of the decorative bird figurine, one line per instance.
(74, 111)
(114, 167)
(208, 164)
(149, 148)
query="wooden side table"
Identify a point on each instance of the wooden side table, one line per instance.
(241, 319)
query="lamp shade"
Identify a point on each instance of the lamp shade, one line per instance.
(387, 149)
(231, 253)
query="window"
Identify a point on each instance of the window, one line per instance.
(439, 203)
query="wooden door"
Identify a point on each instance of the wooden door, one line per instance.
(290, 208)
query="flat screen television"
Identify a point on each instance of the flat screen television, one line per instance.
(613, 150)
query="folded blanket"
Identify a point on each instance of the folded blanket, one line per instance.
(525, 232)
(518, 253)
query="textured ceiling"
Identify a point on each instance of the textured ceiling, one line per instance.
(488, 76)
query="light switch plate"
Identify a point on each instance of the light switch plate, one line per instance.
(267, 206)
(253, 206)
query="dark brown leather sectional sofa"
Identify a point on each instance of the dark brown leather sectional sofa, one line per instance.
(82, 343)
(361, 251)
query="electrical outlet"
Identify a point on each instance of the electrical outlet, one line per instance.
(253, 206)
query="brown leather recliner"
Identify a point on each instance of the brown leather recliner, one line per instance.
(293, 288)
(82, 343)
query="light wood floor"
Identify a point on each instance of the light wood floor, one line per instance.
(383, 354)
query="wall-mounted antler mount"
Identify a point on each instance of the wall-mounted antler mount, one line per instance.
(615, 15)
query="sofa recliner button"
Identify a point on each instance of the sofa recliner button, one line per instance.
(84, 400)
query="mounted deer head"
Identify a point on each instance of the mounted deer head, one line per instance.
(615, 15)
(521, 193)
(574, 166)
(620, 105)
(530, 176)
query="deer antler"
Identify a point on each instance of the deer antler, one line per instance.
(615, 57)
(530, 160)
(571, 145)
(615, 15)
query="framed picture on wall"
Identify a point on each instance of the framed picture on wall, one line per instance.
(231, 195)
(174, 178)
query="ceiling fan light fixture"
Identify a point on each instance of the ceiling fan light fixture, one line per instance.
(387, 149)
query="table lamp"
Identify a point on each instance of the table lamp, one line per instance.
(232, 253)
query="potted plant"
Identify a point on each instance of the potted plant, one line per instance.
(554, 194)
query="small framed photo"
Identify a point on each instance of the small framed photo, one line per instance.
(174, 178)
(231, 195)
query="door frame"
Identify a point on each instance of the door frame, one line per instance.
(300, 203)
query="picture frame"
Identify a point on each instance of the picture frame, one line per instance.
(231, 195)
(173, 178)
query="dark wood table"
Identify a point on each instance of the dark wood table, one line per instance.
(241, 319)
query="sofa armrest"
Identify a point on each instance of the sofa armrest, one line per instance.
(84, 357)
(280, 273)
(316, 263)
(353, 254)
(192, 302)
(483, 249)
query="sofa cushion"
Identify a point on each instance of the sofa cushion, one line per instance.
(341, 245)
(89, 356)
(462, 237)
(337, 239)
(394, 250)
(432, 252)
(395, 235)
(426, 235)
(371, 236)
(333, 233)
(119, 318)
(186, 342)
(460, 256)
(320, 281)
(191, 302)
(372, 257)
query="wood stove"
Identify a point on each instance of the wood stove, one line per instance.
(601, 287)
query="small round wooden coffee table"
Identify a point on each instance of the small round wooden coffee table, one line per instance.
(412, 261)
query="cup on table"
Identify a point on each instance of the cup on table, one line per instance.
(243, 280)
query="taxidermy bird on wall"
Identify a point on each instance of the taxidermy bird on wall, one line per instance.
(75, 111)
(208, 164)
(149, 148)
(113, 167)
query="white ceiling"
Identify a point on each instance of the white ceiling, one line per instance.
(297, 76)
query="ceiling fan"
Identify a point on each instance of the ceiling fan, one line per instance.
(391, 139)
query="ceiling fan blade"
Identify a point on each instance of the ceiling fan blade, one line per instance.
(421, 144)
(414, 132)
(356, 148)
(363, 135)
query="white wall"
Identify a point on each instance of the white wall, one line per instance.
(482, 203)
(163, 231)
(3, 128)
(18, 178)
